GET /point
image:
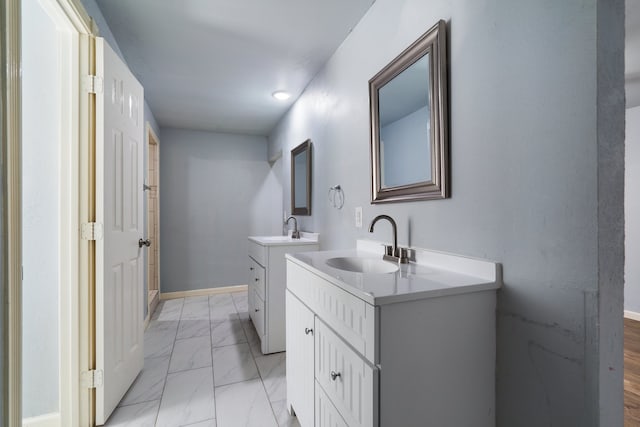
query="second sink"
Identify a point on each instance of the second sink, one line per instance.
(362, 265)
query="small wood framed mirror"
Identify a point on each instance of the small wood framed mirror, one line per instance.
(301, 179)
(409, 125)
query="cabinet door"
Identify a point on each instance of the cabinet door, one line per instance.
(346, 378)
(257, 314)
(251, 287)
(300, 354)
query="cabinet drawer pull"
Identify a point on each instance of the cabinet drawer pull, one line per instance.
(257, 279)
(308, 331)
(250, 268)
(334, 375)
(257, 310)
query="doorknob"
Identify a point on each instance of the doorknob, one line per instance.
(142, 243)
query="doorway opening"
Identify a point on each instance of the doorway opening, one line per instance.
(153, 221)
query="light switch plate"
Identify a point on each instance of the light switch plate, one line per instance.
(359, 217)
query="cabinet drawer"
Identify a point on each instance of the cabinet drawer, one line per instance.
(326, 414)
(257, 312)
(347, 379)
(347, 314)
(257, 274)
(258, 253)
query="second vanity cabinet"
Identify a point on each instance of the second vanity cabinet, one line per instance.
(422, 354)
(265, 293)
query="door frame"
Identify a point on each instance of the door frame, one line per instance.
(76, 304)
(10, 131)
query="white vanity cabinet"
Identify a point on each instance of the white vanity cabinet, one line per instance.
(315, 358)
(418, 353)
(267, 282)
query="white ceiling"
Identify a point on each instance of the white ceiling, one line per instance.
(213, 64)
(632, 53)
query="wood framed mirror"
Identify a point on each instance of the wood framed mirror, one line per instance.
(409, 124)
(301, 179)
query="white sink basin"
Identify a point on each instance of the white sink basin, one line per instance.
(307, 238)
(362, 265)
(277, 238)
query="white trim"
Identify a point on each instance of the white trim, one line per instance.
(11, 142)
(147, 320)
(48, 420)
(203, 292)
(153, 134)
(69, 89)
(78, 17)
(632, 315)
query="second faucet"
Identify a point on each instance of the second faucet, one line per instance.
(295, 234)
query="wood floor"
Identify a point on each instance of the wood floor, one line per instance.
(631, 373)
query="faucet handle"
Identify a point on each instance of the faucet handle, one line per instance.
(402, 255)
(388, 250)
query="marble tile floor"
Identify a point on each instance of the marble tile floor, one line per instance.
(203, 368)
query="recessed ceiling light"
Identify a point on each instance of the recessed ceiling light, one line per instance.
(281, 95)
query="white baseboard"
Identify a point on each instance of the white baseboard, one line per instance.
(203, 292)
(146, 321)
(47, 420)
(632, 315)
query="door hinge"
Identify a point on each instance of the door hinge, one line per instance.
(91, 231)
(93, 84)
(91, 379)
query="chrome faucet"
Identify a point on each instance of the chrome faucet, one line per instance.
(392, 253)
(295, 234)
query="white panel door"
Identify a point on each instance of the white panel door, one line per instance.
(119, 262)
(300, 356)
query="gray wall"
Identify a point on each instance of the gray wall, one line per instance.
(525, 139)
(215, 191)
(148, 117)
(632, 212)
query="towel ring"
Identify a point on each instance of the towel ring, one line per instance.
(336, 196)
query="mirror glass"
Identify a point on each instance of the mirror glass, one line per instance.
(409, 128)
(300, 167)
(301, 179)
(404, 127)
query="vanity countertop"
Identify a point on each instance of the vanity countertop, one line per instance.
(305, 239)
(434, 274)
